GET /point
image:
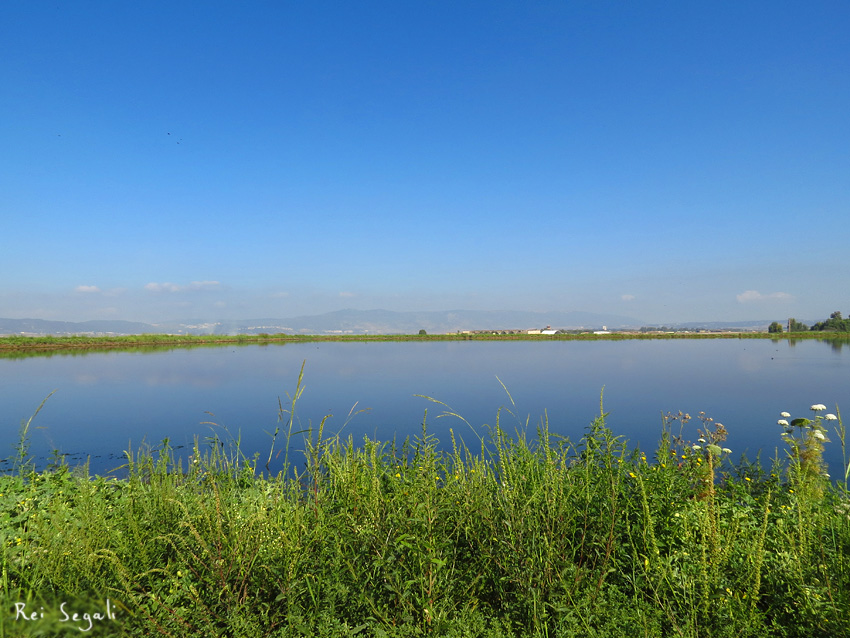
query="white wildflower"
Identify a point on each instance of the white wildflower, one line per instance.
(782, 422)
(818, 407)
(818, 435)
(696, 447)
(830, 417)
(701, 440)
(785, 414)
(726, 450)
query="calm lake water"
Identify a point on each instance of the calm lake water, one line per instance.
(107, 402)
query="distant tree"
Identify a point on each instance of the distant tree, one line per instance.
(422, 332)
(775, 327)
(796, 326)
(834, 324)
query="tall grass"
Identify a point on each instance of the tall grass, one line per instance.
(524, 534)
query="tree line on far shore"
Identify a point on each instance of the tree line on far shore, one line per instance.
(835, 323)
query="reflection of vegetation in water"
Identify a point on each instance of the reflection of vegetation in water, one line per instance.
(836, 343)
(523, 534)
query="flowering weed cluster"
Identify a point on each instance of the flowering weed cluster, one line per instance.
(806, 439)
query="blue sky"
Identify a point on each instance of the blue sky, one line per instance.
(667, 161)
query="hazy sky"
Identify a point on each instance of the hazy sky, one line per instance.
(670, 161)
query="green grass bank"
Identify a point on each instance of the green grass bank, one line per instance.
(16, 346)
(520, 534)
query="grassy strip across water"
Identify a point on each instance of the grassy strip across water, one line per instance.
(16, 344)
(516, 534)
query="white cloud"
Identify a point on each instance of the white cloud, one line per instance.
(170, 287)
(204, 285)
(754, 295)
(154, 287)
(346, 294)
(87, 289)
(627, 297)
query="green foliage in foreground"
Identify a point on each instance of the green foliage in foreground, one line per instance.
(520, 536)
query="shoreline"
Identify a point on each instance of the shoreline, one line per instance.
(77, 342)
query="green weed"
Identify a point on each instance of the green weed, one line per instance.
(527, 534)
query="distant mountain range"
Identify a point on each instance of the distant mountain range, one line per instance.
(360, 322)
(97, 327)
(338, 322)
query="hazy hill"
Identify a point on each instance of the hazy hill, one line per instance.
(341, 321)
(391, 322)
(96, 327)
(364, 322)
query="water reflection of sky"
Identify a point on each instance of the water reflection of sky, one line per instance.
(105, 401)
